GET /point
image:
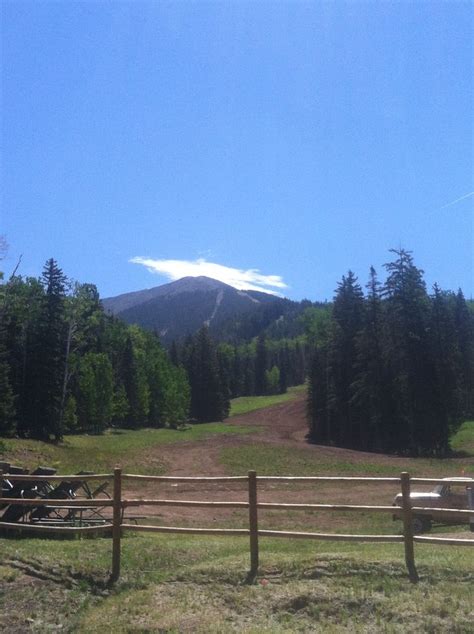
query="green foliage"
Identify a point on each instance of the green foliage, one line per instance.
(317, 324)
(463, 440)
(70, 415)
(120, 406)
(96, 392)
(66, 365)
(272, 380)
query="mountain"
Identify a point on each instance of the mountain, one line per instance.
(180, 308)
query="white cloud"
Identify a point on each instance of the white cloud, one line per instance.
(250, 279)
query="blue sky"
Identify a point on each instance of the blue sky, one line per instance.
(297, 139)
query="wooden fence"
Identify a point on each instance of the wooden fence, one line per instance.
(119, 504)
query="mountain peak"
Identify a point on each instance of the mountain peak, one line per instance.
(190, 284)
(181, 307)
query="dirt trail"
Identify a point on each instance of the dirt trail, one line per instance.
(283, 425)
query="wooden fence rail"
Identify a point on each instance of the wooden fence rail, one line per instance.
(119, 524)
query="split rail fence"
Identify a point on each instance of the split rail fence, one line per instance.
(118, 523)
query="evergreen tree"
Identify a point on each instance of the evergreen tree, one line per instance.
(370, 393)
(21, 318)
(348, 315)
(464, 328)
(408, 354)
(48, 357)
(7, 403)
(319, 331)
(174, 353)
(284, 368)
(261, 365)
(445, 357)
(209, 401)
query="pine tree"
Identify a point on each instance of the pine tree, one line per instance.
(174, 353)
(407, 352)
(369, 390)
(22, 319)
(348, 314)
(48, 357)
(209, 401)
(284, 367)
(319, 333)
(261, 366)
(7, 403)
(445, 355)
(464, 327)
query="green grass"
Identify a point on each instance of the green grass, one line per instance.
(194, 584)
(198, 584)
(101, 453)
(246, 404)
(271, 460)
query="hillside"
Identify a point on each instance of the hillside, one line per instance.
(180, 308)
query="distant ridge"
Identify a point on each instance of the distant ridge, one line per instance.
(179, 308)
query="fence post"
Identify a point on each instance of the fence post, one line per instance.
(470, 503)
(408, 527)
(117, 521)
(253, 522)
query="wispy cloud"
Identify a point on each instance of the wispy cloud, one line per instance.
(458, 200)
(249, 279)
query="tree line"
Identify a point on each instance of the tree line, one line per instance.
(66, 366)
(219, 372)
(392, 370)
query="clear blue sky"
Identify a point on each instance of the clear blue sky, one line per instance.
(297, 138)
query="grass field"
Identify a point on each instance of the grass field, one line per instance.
(125, 446)
(267, 460)
(102, 453)
(177, 584)
(182, 584)
(246, 404)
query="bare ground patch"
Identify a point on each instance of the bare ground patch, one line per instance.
(282, 427)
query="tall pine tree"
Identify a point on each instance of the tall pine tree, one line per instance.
(48, 356)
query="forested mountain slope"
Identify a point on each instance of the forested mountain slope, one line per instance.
(180, 308)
